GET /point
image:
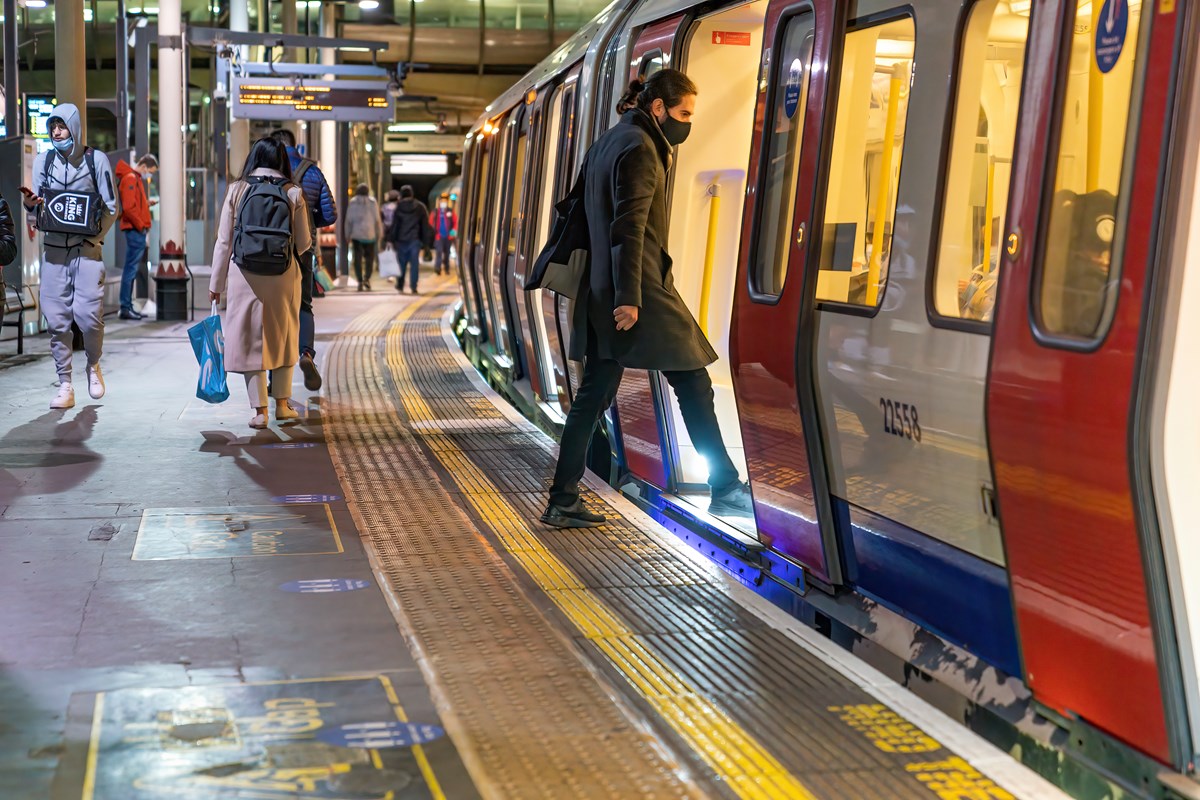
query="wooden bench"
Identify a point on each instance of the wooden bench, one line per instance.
(17, 301)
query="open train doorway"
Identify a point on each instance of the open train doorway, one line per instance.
(708, 186)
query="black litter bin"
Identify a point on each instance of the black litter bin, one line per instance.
(171, 299)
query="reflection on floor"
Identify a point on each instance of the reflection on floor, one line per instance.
(697, 503)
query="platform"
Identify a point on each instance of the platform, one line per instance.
(364, 605)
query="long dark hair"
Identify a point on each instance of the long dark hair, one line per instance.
(267, 153)
(668, 85)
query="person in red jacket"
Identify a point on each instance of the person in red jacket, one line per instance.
(445, 227)
(135, 222)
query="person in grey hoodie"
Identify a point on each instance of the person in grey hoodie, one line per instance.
(364, 227)
(72, 277)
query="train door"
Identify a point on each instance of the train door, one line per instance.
(466, 270)
(491, 254)
(1087, 577)
(639, 398)
(483, 213)
(550, 310)
(782, 451)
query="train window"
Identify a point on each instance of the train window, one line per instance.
(516, 210)
(785, 128)
(651, 63)
(985, 122)
(1076, 288)
(868, 139)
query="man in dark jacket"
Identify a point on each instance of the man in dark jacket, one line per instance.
(307, 175)
(409, 232)
(8, 240)
(628, 314)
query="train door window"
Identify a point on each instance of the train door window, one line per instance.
(868, 140)
(1076, 287)
(479, 254)
(651, 63)
(788, 89)
(991, 60)
(516, 204)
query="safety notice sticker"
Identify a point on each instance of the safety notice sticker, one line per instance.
(1111, 28)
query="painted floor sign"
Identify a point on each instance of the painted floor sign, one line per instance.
(231, 532)
(259, 740)
(325, 585)
(380, 734)
(306, 498)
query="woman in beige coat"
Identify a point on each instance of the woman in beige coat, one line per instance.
(261, 321)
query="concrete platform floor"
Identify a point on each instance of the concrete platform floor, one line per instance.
(199, 609)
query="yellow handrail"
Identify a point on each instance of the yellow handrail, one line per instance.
(899, 72)
(1095, 122)
(988, 205)
(710, 253)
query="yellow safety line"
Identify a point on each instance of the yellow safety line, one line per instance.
(418, 751)
(89, 776)
(730, 751)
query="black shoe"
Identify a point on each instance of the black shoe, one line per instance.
(129, 313)
(360, 288)
(368, 285)
(735, 502)
(574, 516)
(414, 290)
(312, 378)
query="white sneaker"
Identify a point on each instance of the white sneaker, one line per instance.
(95, 381)
(65, 397)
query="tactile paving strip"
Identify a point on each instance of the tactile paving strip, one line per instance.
(529, 717)
(770, 701)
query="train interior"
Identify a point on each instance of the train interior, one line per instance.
(708, 187)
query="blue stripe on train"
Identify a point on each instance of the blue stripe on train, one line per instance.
(958, 596)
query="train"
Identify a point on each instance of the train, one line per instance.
(941, 249)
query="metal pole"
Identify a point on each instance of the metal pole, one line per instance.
(239, 129)
(343, 193)
(172, 97)
(12, 87)
(70, 68)
(122, 78)
(141, 101)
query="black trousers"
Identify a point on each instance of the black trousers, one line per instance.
(601, 378)
(364, 261)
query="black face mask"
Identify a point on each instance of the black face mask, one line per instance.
(676, 131)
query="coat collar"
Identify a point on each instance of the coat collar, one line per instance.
(640, 119)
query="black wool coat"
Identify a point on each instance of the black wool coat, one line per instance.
(626, 205)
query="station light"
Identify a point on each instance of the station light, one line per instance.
(413, 127)
(35, 3)
(368, 5)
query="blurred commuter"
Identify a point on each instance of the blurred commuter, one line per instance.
(308, 176)
(409, 232)
(388, 210)
(266, 233)
(72, 277)
(8, 240)
(135, 223)
(364, 227)
(627, 312)
(444, 222)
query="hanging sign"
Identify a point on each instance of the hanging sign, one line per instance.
(731, 37)
(1111, 28)
(791, 91)
(288, 99)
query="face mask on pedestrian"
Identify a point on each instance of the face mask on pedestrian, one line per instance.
(64, 145)
(676, 131)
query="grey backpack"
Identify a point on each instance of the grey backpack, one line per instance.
(262, 233)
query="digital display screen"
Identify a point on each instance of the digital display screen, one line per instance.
(283, 99)
(412, 164)
(37, 114)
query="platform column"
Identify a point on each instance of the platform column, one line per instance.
(70, 76)
(171, 277)
(239, 129)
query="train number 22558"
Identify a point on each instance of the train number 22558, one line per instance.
(900, 419)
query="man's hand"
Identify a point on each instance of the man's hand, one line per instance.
(31, 199)
(153, 203)
(626, 317)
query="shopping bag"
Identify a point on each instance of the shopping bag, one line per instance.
(323, 280)
(208, 342)
(389, 265)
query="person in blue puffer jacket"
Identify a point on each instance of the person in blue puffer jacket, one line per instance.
(308, 176)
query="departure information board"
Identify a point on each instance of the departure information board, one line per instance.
(286, 99)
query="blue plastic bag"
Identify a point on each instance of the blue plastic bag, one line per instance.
(209, 344)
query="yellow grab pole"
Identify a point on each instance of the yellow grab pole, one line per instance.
(885, 179)
(1095, 121)
(988, 206)
(710, 252)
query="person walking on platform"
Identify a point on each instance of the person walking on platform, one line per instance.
(388, 210)
(409, 232)
(135, 223)
(8, 240)
(308, 176)
(75, 198)
(265, 232)
(445, 227)
(364, 227)
(628, 314)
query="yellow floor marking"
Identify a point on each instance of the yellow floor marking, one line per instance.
(431, 780)
(734, 755)
(93, 756)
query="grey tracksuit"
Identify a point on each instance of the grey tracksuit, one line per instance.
(72, 277)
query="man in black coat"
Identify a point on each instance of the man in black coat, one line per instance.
(8, 237)
(628, 314)
(409, 232)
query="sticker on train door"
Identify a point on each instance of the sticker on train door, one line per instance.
(791, 92)
(731, 37)
(1111, 28)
